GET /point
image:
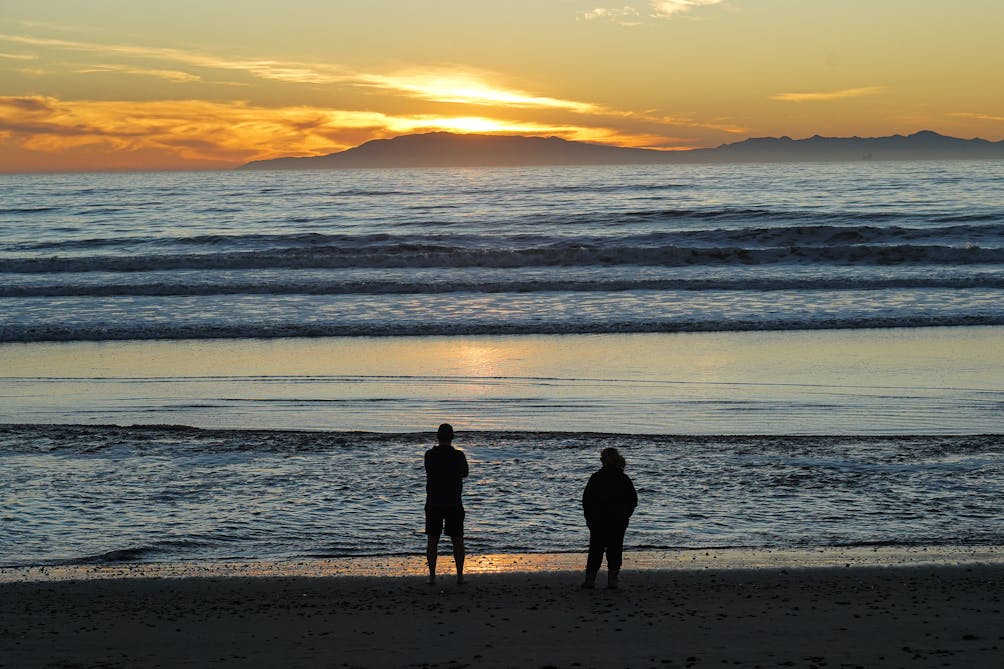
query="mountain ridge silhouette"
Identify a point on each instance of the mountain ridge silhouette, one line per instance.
(444, 149)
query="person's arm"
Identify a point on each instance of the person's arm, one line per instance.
(589, 499)
(427, 463)
(632, 496)
(464, 471)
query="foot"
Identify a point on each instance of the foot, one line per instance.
(612, 578)
(431, 580)
(590, 582)
(460, 579)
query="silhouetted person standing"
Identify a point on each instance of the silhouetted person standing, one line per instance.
(607, 502)
(445, 470)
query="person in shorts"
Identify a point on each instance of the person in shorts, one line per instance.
(445, 470)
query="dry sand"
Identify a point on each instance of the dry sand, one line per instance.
(904, 616)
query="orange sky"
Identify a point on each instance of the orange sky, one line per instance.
(118, 84)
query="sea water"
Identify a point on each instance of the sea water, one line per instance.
(851, 312)
(502, 250)
(92, 495)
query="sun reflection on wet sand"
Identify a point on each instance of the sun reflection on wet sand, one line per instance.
(928, 380)
(502, 563)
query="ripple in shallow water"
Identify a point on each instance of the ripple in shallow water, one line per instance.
(109, 494)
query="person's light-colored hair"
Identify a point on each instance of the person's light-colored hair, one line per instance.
(611, 457)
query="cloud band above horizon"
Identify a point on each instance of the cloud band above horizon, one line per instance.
(208, 134)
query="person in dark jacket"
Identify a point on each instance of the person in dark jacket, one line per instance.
(445, 470)
(607, 502)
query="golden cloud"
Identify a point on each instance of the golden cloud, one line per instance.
(668, 8)
(171, 75)
(434, 85)
(629, 16)
(624, 16)
(977, 116)
(454, 85)
(306, 73)
(219, 133)
(449, 86)
(829, 95)
(197, 132)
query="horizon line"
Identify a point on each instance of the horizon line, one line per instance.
(680, 150)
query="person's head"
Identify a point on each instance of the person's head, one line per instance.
(611, 457)
(445, 434)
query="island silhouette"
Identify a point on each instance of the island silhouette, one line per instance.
(444, 149)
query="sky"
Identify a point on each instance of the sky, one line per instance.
(210, 84)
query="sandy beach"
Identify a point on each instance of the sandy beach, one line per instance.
(904, 616)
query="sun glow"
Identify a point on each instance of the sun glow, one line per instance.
(476, 124)
(169, 134)
(473, 89)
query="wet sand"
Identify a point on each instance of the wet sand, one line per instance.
(688, 559)
(897, 381)
(903, 616)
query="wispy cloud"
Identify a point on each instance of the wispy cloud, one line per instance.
(448, 86)
(631, 16)
(171, 75)
(977, 116)
(17, 56)
(669, 8)
(202, 132)
(822, 96)
(432, 84)
(219, 133)
(27, 103)
(435, 84)
(625, 16)
(720, 125)
(476, 89)
(293, 72)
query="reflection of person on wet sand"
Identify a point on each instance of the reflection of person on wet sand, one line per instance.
(607, 502)
(445, 470)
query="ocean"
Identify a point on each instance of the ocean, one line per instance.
(500, 251)
(202, 366)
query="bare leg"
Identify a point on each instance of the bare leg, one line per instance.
(458, 557)
(431, 552)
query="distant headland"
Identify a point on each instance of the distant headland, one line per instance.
(443, 149)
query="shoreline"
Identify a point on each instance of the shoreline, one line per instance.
(402, 566)
(422, 333)
(240, 335)
(696, 436)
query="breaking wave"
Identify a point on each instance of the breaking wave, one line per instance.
(572, 253)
